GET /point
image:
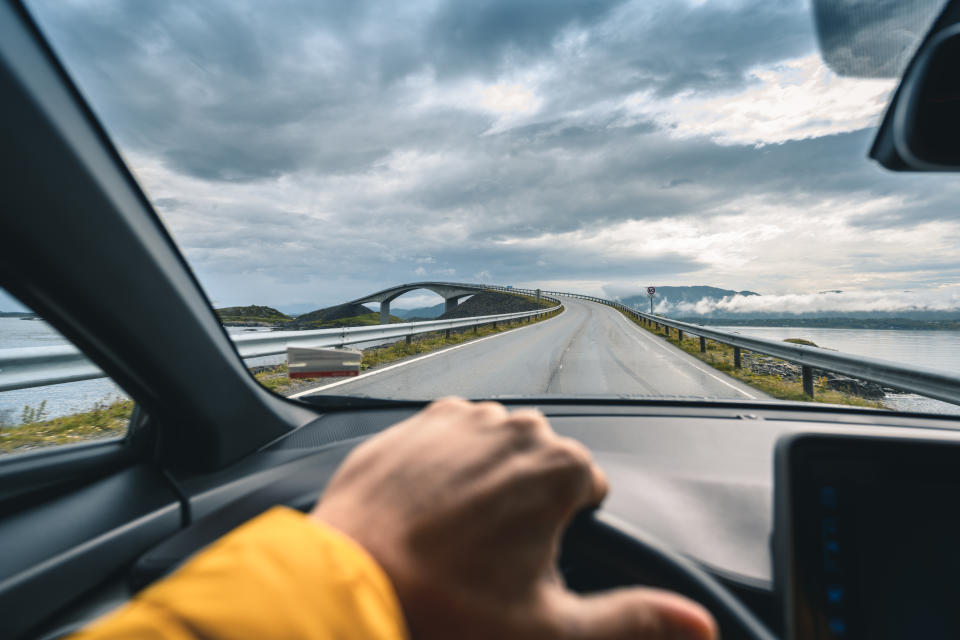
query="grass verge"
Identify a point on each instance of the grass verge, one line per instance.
(106, 420)
(720, 357)
(277, 380)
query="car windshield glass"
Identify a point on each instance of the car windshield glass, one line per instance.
(357, 169)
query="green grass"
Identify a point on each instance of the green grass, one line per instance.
(276, 379)
(252, 314)
(720, 357)
(107, 420)
(254, 320)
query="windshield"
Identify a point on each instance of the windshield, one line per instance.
(361, 165)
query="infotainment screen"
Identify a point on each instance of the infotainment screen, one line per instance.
(867, 537)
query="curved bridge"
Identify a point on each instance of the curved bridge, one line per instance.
(451, 292)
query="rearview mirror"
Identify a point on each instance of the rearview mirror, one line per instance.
(926, 118)
(921, 130)
(872, 38)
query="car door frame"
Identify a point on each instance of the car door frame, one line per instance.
(82, 246)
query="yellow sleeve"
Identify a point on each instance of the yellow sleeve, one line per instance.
(281, 575)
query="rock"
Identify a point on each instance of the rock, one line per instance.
(855, 387)
(767, 365)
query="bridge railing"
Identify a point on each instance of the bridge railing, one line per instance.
(925, 381)
(26, 367)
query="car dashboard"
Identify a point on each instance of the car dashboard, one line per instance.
(699, 477)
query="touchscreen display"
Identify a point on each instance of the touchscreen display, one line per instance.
(877, 539)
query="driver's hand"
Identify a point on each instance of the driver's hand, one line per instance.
(463, 506)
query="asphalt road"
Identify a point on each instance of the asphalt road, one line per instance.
(589, 349)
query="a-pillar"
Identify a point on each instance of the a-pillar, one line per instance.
(385, 312)
(450, 304)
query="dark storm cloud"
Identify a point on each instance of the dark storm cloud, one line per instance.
(483, 36)
(365, 121)
(242, 91)
(682, 48)
(524, 189)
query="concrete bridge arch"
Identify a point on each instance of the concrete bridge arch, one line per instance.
(450, 292)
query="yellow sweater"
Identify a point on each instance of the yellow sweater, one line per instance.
(280, 575)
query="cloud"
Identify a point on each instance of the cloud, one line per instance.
(484, 36)
(791, 100)
(945, 298)
(314, 152)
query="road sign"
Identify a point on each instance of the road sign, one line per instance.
(651, 290)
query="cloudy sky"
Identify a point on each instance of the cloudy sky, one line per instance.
(310, 152)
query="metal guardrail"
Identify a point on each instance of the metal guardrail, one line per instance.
(925, 381)
(252, 345)
(26, 367)
(38, 366)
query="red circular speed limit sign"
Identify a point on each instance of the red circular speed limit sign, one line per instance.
(651, 290)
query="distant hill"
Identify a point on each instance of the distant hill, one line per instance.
(675, 295)
(899, 319)
(252, 314)
(296, 309)
(831, 322)
(315, 319)
(420, 312)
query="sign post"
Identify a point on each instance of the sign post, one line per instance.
(650, 292)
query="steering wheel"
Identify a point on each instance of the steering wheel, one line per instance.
(613, 544)
(599, 536)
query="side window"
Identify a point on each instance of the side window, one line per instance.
(32, 417)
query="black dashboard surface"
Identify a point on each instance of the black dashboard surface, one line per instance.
(699, 478)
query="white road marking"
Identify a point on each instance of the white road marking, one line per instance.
(641, 331)
(423, 357)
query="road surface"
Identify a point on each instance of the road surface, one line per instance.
(589, 349)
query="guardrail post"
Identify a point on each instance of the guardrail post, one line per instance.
(476, 328)
(736, 357)
(679, 335)
(666, 330)
(703, 344)
(807, 374)
(494, 324)
(407, 340)
(446, 334)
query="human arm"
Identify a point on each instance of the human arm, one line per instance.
(452, 520)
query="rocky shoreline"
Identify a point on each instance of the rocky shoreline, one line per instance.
(768, 365)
